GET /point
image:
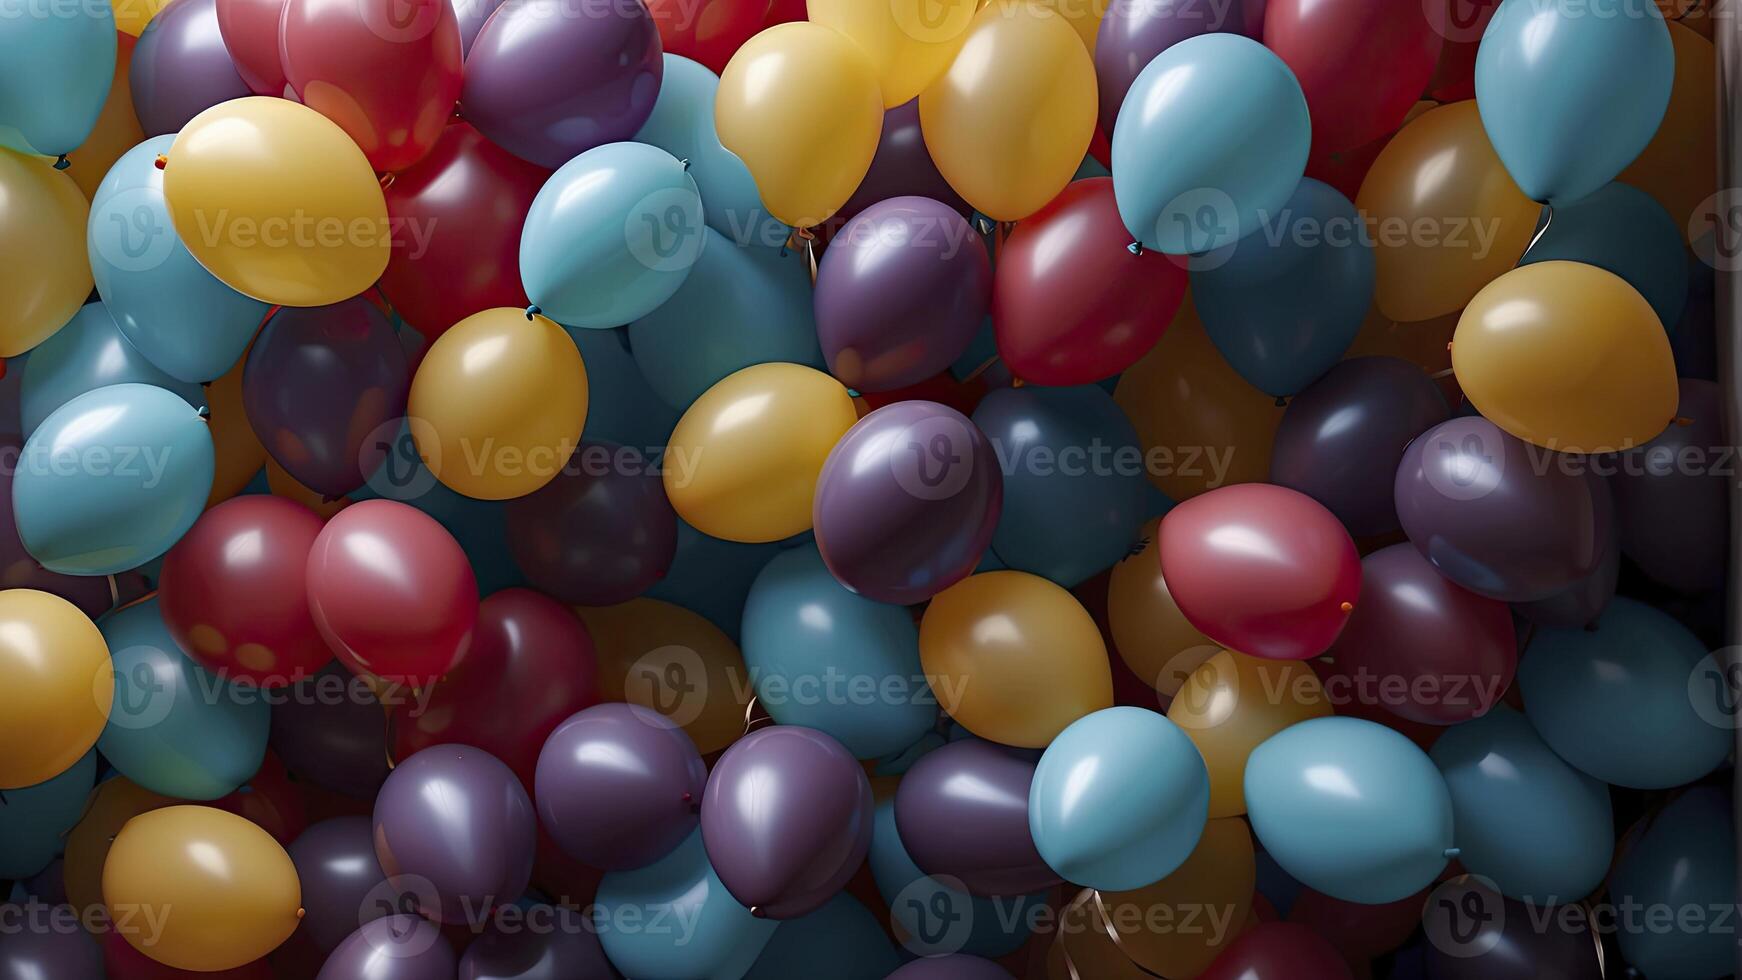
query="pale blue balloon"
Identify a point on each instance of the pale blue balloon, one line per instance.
(1570, 95)
(34, 820)
(674, 920)
(711, 576)
(1539, 829)
(86, 354)
(621, 406)
(1684, 863)
(1211, 139)
(1119, 799)
(56, 64)
(842, 941)
(1624, 230)
(826, 658)
(611, 236)
(1350, 808)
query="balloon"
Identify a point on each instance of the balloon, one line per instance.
(1278, 950)
(1350, 808)
(332, 732)
(1361, 63)
(472, 14)
(249, 29)
(671, 660)
(910, 44)
(565, 949)
(1545, 71)
(708, 32)
(1204, 900)
(1154, 638)
(1679, 167)
(238, 454)
(1010, 119)
(841, 940)
(115, 801)
(953, 966)
(1623, 231)
(47, 273)
(1021, 658)
(1282, 306)
(335, 862)
(1578, 605)
(722, 940)
(1341, 440)
(397, 947)
(1679, 861)
(55, 951)
(117, 128)
(111, 480)
(233, 890)
(1445, 218)
(902, 167)
(621, 406)
(75, 48)
(18, 570)
(1133, 32)
(270, 799)
(602, 532)
(181, 68)
(1499, 517)
(1231, 704)
(1476, 934)
(34, 820)
(1672, 508)
(279, 203)
(963, 815)
(88, 353)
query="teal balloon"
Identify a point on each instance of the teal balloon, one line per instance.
(933, 915)
(825, 658)
(674, 920)
(1635, 702)
(711, 576)
(1210, 141)
(55, 72)
(1624, 230)
(1539, 829)
(842, 941)
(740, 306)
(1350, 808)
(86, 354)
(34, 820)
(1119, 799)
(1682, 861)
(1283, 305)
(111, 480)
(176, 728)
(611, 236)
(1569, 96)
(621, 406)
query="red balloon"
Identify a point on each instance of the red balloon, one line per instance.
(392, 592)
(531, 665)
(250, 32)
(459, 212)
(387, 72)
(1071, 304)
(1361, 63)
(233, 591)
(784, 11)
(1360, 932)
(1465, 21)
(1279, 951)
(271, 801)
(1261, 569)
(709, 31)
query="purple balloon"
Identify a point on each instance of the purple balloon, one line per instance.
(1341, 439)
(907, 502)
(547, 81)
(900, 294)
(398, 947)
(618, 786)
(51, 953)
(962, 812)
(472, 14)
(181, 67)
(1578, 605)
(1502, 518)
(1133, 32)
(956, 966)
(455, 831)
(902, 167)
(786, 820)
(1672, 495)
(331, 731)
(335, 861)
(560, 944)
(1511, 940)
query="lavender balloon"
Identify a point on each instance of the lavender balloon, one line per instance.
(332, 731)
(955, 966)
(335, 861)
(50, 954)
(398, 947)
(554, 944)
(1133, 32)
(962, 812)
(181, 67)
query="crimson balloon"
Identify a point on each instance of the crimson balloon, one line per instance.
(1361, 63)
(1279, 951)
(709, 31)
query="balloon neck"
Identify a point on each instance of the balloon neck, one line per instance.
(1452, 853)
(756, 910)
(1135, 248)
(204, 413)
(1348, 607)
(300, 912)
(685, 163)
(161, 162)
(532, 311)
(1281, 402)
(61, 162)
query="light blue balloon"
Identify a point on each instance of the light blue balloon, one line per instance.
(740, 306)
(931, 917)
(55, 70)
(621, 406)
(1624, 230)
(825, 658)
(1570, 95)
(1539, 829)
(1284, 305)
(674, 920)
(86, 354)
(1119, 799)
(112, 479)
(1212, 137)
(1350, 808)
(176, 728)
(842, 941)
(34, 820)
(611, 236)
(1636, 702)
(1682, 863)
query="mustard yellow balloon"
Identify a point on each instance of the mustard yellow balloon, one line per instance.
(56, 685)
(1014, 657)
(199, 888)
(1153, 637)
(1204, 900)
(277, 202)
(45, 273)
(115, 801)
(800, 105)
(674, 661)
(1567, 356)
(131, 16)
(1231, 704)
(498, 404)
(1010, 121)
(743, 461)
(910, 42)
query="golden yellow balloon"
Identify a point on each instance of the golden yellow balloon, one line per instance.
(117, 129)
(1084, 16)
(114, 802)
(800, 105)
(45, 273)
(1149, 631)
(1010, 121)
(1231, 704)
(742, 463)
(1014, 657)
(674, 661)
(277, 202)
(1445, 217)
(498, 404)
(199, 888)
(56, 685)
(1567, 356)
(910, 42)
(1679, 167)
(1177, 926)
(131, 16)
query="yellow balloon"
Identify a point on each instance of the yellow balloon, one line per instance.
(1084, 16)
(498, 404)
(800, 105)
(277, 202)
(56, 685)
(743, 461)
(1014, 657)
(1445, 217)
(1231, 704)
(1679, 167)
(1010, 121)
(1567, 356)
(910, 42)
(45, 273)
(117, 129)
(114, 802)
(1149, 631)
(674, 661)
(199, 888)
(131, 16)
(1177, 926)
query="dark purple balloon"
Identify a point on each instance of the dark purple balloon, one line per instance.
(956, 966)
(902, 167)
(456, 831)
(907, 502)
(1578, 605)
(331, 731)
(1672, 495)
(548, 80)
(601, 533)
(1341, 439)
(900, 294)
(472, 14)
(786, 820)
(962, 811)
(553, 944)
(1500, 517)
(618, 786)
(398, 947)
(1133, 32)
(1475, 934)
(335, 861)
(50, 953)
(181, 67)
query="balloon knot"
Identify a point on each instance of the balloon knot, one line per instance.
(61, 162)
(161, 162)
(386, 181)
(301, 912)
(1135, 248)
(1452, 853)
(685, 163)
(1281, 402)
(1683, 420)
(532, 311)
(204, 413)
(1347, 607)
(1448, 345)
(756, 910)
(688, 797)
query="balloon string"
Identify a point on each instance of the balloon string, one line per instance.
(1442, 375)
(750, 716)
(1541, 231)
(1597, 942)
(114, 593)
(387, 747)
(1113, 934)
(982, 369)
